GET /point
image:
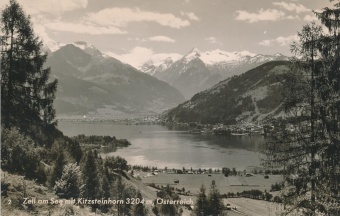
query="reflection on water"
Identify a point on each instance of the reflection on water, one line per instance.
(155, 145)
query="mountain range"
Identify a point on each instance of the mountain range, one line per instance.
(94, 84)
(197, 71)
(250, 97)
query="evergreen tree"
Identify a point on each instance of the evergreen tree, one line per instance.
(119, 188)
(139, 209)
(167, 209)
(201, 205)
(215, 205)
(307, 141)
(26, 93)
(90, 176)
(328, 92)
(58, 167)
(105, 192)
(70, 184)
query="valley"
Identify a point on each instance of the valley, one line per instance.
(92, 84)
(97, 86)
(169, 107)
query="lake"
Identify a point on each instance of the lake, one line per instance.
(156, 145)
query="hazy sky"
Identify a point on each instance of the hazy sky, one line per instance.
(137, 29)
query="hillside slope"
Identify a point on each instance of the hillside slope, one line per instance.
(94, 85)
(249, 97)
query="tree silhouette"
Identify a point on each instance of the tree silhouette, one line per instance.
(201, 205)
(306, 142)
(26, 91)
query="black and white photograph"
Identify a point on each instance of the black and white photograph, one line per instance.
(170, 108)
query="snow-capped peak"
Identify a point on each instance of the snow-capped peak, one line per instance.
(89, 49)
(193, 54)
(216, 56)
(83, 45)
(51, 45)
(195, 50)
(158, 64)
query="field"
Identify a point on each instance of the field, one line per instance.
(254, 207)
(193, 182)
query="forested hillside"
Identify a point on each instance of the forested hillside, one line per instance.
(252, 96)
(41, 169)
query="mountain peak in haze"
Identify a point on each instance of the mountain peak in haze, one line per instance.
(50, 45)
(193, 54)
(195, 50)
(105, 87)
(83, 45)
(158, 65)
(197, 71)
(89, 49)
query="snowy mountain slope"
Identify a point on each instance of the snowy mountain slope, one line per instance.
(225, 63)
(197, 71)
(189, 74)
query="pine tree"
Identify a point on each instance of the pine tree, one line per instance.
(328, 93)
(201, 205)
(215, 205)
(26, 93)
(57, 167)
(70, 184)
(139, 209)
(307, 141)
(90, 176)
(105, 192)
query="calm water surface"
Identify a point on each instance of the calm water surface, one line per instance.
(156, 145)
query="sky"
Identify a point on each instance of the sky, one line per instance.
(137, 30)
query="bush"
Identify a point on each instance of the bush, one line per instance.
(277, 199)
(20, 156)
(70, 184)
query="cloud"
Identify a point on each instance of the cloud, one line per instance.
(122, 16)
(291, 17)
(139, 55)
(135, 57)
(265, 43)
(190, 15)
(162, 39)
(281, 41)
(212, 40)
(83, 28)
(297, 8)
(33, 7)
(40, 31)
(310, 18)
(261, 15)
(137, 39)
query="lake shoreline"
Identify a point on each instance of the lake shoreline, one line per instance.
(157, 145)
